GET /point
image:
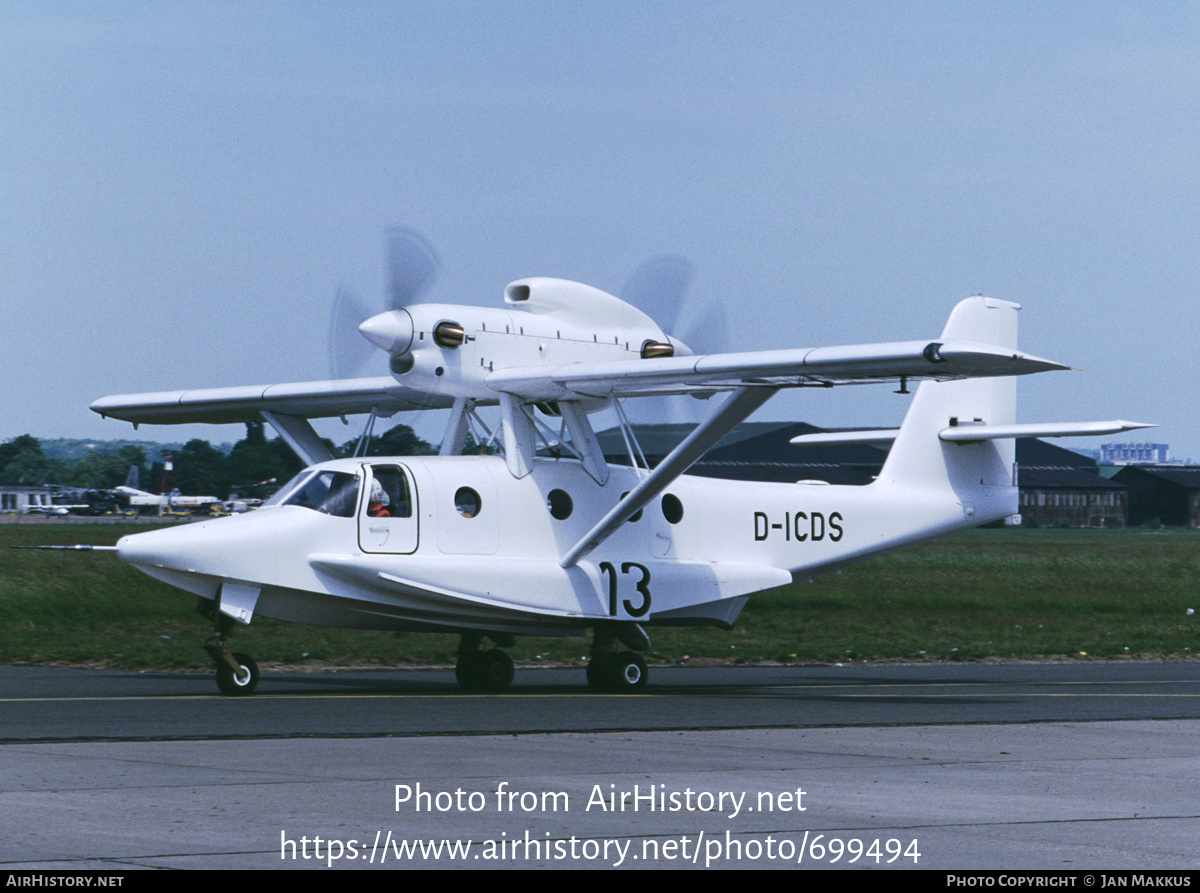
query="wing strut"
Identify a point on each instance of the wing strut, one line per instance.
(300, 436)
(456, 428)
(732, 412)
(364, 440)
(516, 432)
(583, 439)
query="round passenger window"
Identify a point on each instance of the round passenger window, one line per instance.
(672, 508)
(467, 502)
(560, 504)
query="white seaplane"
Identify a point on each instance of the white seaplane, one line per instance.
(546, 537)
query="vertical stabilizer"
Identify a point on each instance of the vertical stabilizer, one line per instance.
(981, 473)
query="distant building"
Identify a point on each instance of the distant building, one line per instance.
(1161, 494)
(1063, 488)
(1070, 497)
(766, 453)
(756, 451)
(21, 498)
(1134, 453)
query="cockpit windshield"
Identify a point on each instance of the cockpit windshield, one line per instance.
(283, 492)
(330, 492)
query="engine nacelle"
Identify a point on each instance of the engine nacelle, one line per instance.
(450, 348)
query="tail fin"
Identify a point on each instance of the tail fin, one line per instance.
(979, 472)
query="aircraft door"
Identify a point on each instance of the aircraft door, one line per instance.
(388, 519)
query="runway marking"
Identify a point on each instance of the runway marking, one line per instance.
(846, 690)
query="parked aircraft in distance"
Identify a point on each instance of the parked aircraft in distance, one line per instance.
(174, 501)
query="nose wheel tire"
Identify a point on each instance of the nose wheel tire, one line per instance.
(241, 683)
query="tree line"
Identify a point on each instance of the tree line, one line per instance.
(199, 469)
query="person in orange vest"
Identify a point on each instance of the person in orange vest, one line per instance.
(377, 504)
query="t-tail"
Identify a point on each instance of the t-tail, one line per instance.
(959, 437)
(980, 473)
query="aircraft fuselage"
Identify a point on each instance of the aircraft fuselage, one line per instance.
(459, 543)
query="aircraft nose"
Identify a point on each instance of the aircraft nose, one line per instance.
(142, 548)
(392, 331)
(185, 547)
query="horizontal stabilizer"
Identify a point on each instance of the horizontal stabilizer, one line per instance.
(976, 433)
(837, 438)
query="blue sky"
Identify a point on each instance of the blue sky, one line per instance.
(184, 186)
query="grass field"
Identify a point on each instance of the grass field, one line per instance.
(981, 594)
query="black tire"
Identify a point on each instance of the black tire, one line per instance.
(626, 672)
(496, 671)
(485, 671)
(228, 682)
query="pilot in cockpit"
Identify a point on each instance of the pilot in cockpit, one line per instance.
(377, 504)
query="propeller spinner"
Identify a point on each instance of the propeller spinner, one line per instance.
(412, 268)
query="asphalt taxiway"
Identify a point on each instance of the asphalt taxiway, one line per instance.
(1077, 766)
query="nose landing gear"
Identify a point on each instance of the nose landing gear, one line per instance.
(237, 674)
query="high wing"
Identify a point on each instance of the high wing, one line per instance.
(814, 367)
(286, 406)
(307, 400)
(550, 351)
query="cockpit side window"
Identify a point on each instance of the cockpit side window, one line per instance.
(329, 492)
(390, 495)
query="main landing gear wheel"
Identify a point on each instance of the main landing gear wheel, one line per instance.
(622, 672)
(485, 671)
(240, 683)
